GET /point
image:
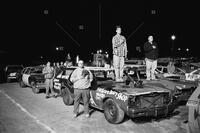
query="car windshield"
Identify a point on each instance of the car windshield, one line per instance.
(14, 68)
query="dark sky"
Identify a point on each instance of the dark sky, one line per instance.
(29, 33)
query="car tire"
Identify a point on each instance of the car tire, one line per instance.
(8, 80)
(21, 84)
(112, 112)
(67, 97)
(34, 88)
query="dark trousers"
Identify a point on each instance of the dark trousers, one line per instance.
(85, 95)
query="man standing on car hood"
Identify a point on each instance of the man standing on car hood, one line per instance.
(81, 79)
(151, 56)
(119, 54)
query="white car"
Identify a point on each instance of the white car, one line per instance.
(193, 76)
(162, 72)
(32, 77)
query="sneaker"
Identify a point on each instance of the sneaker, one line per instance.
(87, 115)
(75, 115)
(47, 96)
(119, 80)
(148, 79)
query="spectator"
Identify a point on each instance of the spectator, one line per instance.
(48, 72)
(151, 56)
(81, 79)
(119, 54)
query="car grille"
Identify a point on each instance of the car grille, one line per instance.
(150, 100)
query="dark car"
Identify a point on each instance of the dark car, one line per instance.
(12, 72)
(32, 77)
(181, 88)
(118, 99)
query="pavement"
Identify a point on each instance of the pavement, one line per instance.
(22, 111)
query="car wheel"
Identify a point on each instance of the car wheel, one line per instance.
(34, 88)
(112, 112)
(67, 98)
(8, 80)
(21, 83)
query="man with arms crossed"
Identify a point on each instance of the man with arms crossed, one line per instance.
(119, 54)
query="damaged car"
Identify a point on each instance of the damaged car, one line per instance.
(117, 99)
(32, 77)
(179, 87)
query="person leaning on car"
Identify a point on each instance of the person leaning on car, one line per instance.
(81, 79)
(48, 72)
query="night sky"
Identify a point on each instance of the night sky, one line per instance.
(83, 26)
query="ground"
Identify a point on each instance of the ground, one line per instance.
(22, 111)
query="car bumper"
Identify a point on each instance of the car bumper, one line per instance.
(12, 77)
(157, 111)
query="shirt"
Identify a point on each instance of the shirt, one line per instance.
(48, 72)
(79, 81)
(151, 53)
(119, 46)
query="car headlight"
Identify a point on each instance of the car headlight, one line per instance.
(12, 74)
(179, 87)
(177, 90)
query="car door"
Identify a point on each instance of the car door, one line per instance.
(25, 76)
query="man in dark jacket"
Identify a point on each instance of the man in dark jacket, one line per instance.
(151, 56)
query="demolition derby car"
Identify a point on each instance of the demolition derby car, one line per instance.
(11, 72)
(180, 88)
(32, 77)
(117, 99)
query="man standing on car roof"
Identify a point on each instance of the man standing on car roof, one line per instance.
(119, 54)
(81, 79)
(151, 56)
(48, 72)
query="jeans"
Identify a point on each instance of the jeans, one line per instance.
(49, 85)
(151, 65)
(83, 94)
(118, 63)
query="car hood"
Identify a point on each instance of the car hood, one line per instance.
(131, 90)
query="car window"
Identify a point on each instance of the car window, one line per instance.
(67, 72)
(39, 71)
(14, 68)
(159, 68)
(23, 70)
(27, 71)
(179, 71)
(164, 70)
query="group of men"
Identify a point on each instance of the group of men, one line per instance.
(49, 74)
(82, 77)
(120, 55)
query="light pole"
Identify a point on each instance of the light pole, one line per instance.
(173, 37)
